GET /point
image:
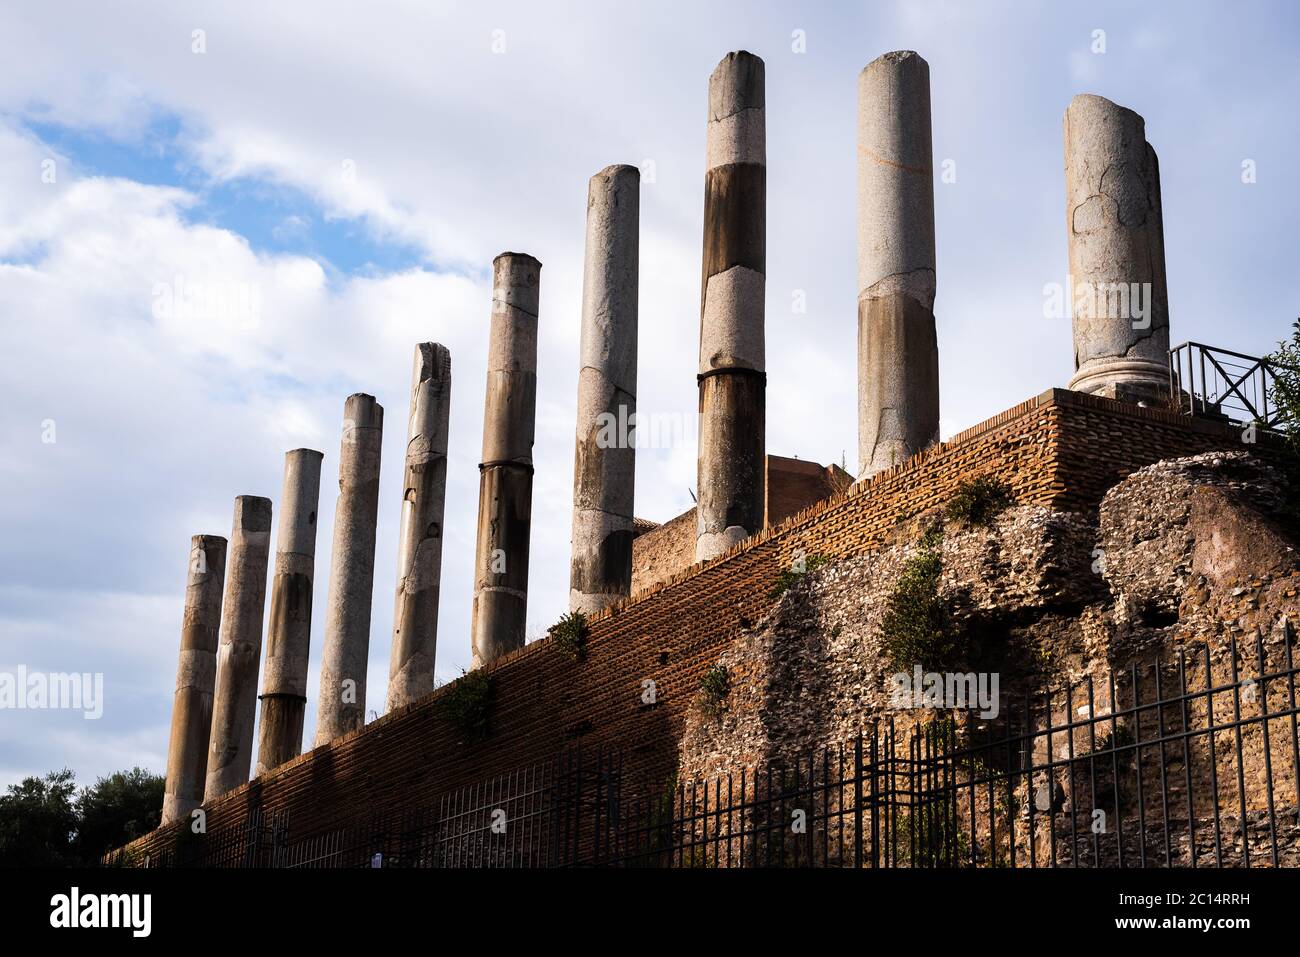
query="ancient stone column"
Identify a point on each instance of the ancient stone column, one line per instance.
(898, 354)
(196, 677)
(342, 704)
(604, 466)
(732, 380)
(1114, 221)
(234, 706)
(505, 491)
(288, 638)
(419, 555)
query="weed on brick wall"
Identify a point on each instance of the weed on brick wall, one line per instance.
(978, 501)
(917, 627)
(466, 704)
(788, 576)
(569, 635)
(714, 688)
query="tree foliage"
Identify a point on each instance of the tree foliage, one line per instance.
(45, 823)
(1285, 393)
(38, 822)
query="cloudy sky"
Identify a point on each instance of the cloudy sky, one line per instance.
(351, 170)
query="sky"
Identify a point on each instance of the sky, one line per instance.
(327, 184)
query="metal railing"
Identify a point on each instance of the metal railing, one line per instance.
(1206, 380)
(1191, 763)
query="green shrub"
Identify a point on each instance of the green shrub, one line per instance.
(789, 576)
(466, 704)
(1285, 391)
(979, 500)
(917, 626)
(930, 835)
(569, 635)
(714, 688)
(1285, 396)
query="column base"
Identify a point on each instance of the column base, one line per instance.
(1140, 381)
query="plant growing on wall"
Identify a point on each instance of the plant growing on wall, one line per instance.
(795, 572)
(1285, 393)
(466, 704)
(715, 686)
(917, 626)
(930, 833)
(979, 500)
(569, 635)
(1285, 396)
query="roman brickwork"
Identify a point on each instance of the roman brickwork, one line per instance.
(1061, 450)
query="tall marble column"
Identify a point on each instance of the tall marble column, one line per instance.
(732, 377)
(604, 467)
(1115, 226)
(505, 499)
(342, 704)
(288, 641)
(419, 556)
(898, 353)
(196, 678)
(234, 705)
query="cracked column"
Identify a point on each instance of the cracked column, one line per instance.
(288, 638)
(234, 706)
(342, 704)
(419, 554)
(604, 466)
(898, 353)
(196, 676)
(732, 380)
(1118, 292)
(505, 496)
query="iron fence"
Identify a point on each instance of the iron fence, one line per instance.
(1206, 380)
(1191, 763)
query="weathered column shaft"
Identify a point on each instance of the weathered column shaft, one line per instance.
(342, 704)
(505, 497)
(604, 467)
(288, 639)
(1119, 297)
(196, 678)
(898, 354)
(419, 556)
(234, 707)
(732, 377)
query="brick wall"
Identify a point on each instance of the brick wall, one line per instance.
(660, 553)
(790, 485)
(1060, 449)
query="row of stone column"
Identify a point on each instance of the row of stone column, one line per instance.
(216, 682)
(215, 705)
(1115, 235)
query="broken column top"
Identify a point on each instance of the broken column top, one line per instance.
(1085, 103)
(253, 513)
(737, 121)
(515, 281)
(898, 58)
(361, 411)
(301, 484)
(736, 84)
(895, 179)
(616, 169)
(432, 361)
